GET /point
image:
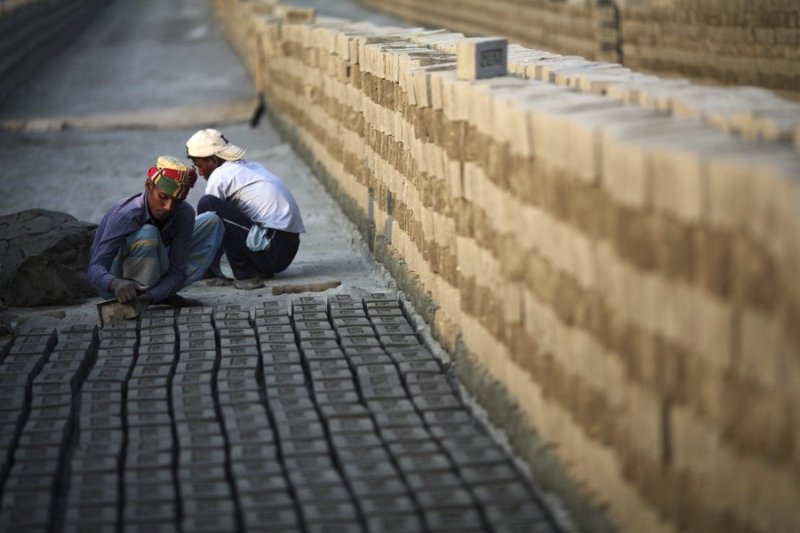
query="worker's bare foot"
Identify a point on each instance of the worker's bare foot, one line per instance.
(219, 282)
(249, 284)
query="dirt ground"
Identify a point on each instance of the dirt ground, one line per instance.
(137, 84)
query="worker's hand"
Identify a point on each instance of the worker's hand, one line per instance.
(126, 290)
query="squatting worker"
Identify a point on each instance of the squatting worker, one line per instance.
(261, 217)
(150, 245)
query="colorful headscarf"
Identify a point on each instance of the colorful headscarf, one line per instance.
(172, 176)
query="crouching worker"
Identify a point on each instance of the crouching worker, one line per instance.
(149, 246)
(262, 219)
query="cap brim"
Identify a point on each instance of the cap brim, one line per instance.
(231, 152)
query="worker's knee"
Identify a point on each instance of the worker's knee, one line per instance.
(148, 232)
(210, 223)
(208, 203)
(146, 238)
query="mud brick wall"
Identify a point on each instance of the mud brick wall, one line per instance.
(33, 30)
(734, 42)
(729, 42)
(576, 27)
(612, 262)
(751, 113)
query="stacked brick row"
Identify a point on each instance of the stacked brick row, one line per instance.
(579, 28)
(32, 30)
(747, 107)
(751, 113)
(38, 415)
(738, 42)
(627, 275)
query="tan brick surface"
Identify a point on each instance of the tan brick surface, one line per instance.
(611, 259)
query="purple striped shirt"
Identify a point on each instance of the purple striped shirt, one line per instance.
(127, 216)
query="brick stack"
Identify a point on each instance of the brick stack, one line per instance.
(626, 275)
(732, 42)
(727, 42)
(753, 113)
(575, 27)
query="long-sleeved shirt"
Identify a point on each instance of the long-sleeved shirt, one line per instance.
(128, 216)
(257, 193)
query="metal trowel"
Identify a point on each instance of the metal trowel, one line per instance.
(113, 310)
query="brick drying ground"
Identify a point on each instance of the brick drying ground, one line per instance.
(302, 414)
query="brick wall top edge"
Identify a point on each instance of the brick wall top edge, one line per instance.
(749, 112)
(753, 113)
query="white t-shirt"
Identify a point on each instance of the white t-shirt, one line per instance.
(257, 193)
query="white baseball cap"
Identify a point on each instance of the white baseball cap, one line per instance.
(208, 142)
